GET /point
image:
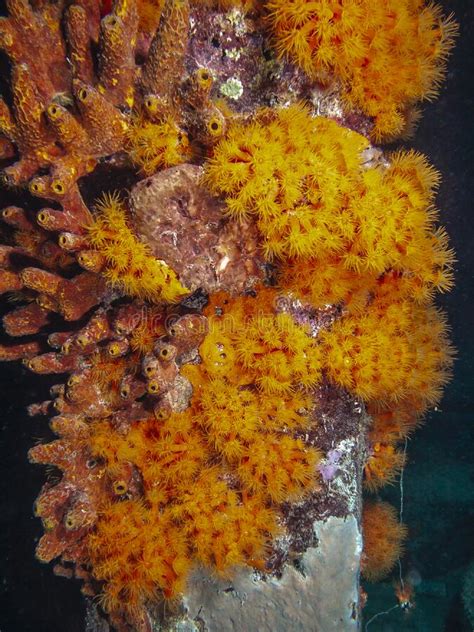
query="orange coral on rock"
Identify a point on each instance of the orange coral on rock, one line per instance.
(267, 169)
(318, 207)
(390, 355)
(383, 466)
(242, 402)
(397, 357)
(387, 54)
(142, 547)
(391, 427)
(148, 497)
(342, 231)
(220, 515)
(137, 551)
(105, 458)
(128, 264)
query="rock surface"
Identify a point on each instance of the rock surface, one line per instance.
(319, 595)
(184, 225)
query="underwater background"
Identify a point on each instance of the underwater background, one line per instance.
(438, 479)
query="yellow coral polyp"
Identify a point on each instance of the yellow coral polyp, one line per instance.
(281, 168)
(384, 538)
(247, 344)
(220, 404)
(130, 266)
(383, 466)
(137, 551)
(329, 282)
(279, 467)
(280, 351)
(334, 223)
(147, 331)
(396, 351)
(153, 146)
(213, 476)
(387, 54)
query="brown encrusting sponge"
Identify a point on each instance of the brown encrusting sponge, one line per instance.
(213, 257)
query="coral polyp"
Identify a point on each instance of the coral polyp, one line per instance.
(127, 262)
(208, 278)
(156, 145)
(387, 55)
(384, 539)
(383, 466)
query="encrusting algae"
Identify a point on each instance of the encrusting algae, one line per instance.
(185, 419)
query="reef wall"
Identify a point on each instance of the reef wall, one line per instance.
(234, 283)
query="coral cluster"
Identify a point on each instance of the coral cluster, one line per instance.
(390, 428)
(341, 230)
(395, 352)
(383, 539)
(185, 408)
(387, 54)
(344, 229)
(125, 261)
(213, 475)
(150, 488)
(119, 390)
(316, 200)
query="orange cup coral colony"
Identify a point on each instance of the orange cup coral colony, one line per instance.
(186, 400)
